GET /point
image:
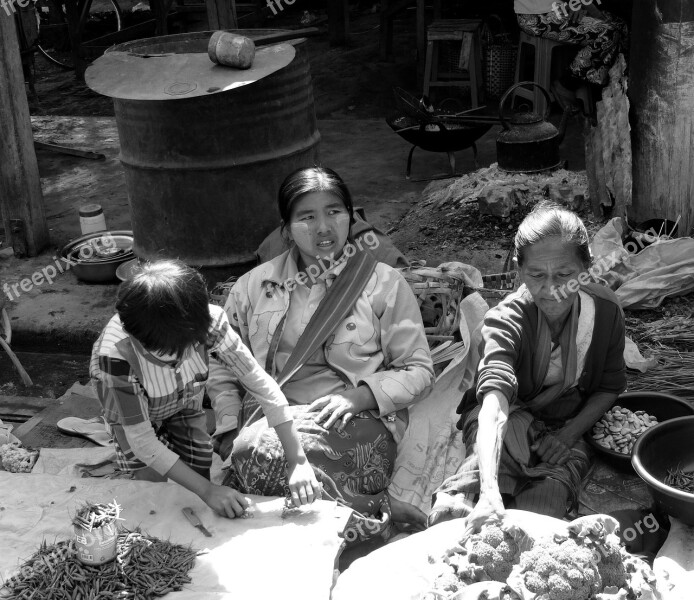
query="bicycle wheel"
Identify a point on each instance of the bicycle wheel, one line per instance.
(98, 17)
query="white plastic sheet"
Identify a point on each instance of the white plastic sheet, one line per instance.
(643, 280)
(403, 567)
(269, 556)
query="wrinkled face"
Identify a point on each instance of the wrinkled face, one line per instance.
(550, 266)
(319, 226)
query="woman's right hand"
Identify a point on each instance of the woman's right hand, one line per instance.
(489, 509)
(226, 501)
(302, 483)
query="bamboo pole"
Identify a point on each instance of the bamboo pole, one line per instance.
(21, 201)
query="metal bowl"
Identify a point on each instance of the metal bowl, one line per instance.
(95, 257)
(665, 446)
(127, 269)
(663, 407)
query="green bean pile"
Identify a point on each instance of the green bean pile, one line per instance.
(93, 516)
(680, 479)
(145, 568)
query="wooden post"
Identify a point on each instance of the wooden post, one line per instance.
(20, 185)
(661, 91)
(73, 16)
(221, 14)
(338, 22)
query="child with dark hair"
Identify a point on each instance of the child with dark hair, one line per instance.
(150, 367)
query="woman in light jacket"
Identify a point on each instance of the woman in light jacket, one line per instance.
(349, 398)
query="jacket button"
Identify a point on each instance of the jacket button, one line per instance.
(351, 326)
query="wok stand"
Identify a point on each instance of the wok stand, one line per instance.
(451, 162)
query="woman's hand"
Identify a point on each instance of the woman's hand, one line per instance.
(341, 408)
(554, 448)
(303, 483)
(227, 501)
(489, 509)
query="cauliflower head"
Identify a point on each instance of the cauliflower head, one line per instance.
(597, 534)
(560, 571)
(495, 551)
(16, 459)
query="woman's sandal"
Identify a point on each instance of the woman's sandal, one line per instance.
(91, 429)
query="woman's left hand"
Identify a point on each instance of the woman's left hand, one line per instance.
(555, 448)
(341, 408)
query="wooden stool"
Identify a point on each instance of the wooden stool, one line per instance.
(542, 73)
(466, 31)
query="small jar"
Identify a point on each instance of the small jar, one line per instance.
(92, 219)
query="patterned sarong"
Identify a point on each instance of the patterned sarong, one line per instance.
(518, 466)
(602, 40)
(354, 467)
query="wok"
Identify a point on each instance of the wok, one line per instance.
(446, 137)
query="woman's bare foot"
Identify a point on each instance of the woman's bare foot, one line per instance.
(406, 516)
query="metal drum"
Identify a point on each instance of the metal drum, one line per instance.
(203, 172)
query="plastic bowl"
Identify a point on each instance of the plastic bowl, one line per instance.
(665, 446)
(663, 407)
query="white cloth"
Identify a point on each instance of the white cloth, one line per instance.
(432, 448)
(272, 555)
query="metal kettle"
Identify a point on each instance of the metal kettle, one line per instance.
(529, 142)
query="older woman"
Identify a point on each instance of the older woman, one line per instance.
(343, 336)
(552, 365)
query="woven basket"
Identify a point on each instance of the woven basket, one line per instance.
(497, 286)
(438, 294)
(499, 66)
(498, 57)
(220, 292)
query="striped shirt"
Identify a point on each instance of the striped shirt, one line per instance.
(135, 386)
